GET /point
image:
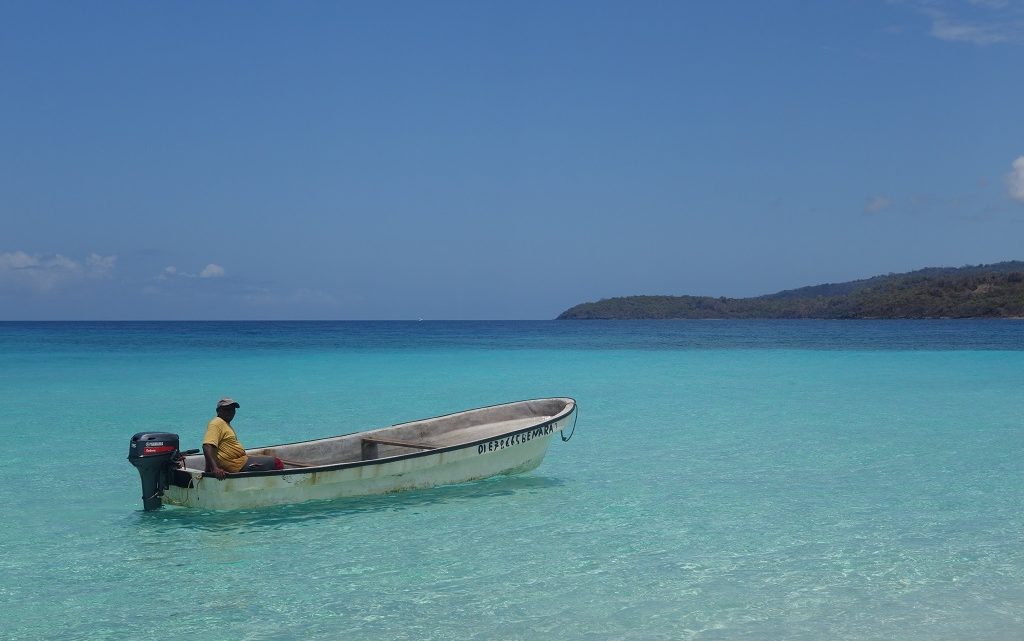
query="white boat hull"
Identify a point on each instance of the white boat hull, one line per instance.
(520, 450)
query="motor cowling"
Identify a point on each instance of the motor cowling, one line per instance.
(154, 454)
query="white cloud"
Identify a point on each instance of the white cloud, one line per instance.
(956, 30)
(46, 272)
(876, 204)
(100, 265)
(212, 271)
(1015, 180)
(978, 22)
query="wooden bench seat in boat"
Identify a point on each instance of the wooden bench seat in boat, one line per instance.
(370, 443)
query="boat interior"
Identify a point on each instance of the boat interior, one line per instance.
(417, 436)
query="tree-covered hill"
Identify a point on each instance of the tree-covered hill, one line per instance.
(976, 291)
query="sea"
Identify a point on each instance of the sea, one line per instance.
(727, 480)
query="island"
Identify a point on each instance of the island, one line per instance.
(973, 291)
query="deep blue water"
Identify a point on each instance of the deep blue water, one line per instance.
(727, 480)
(554, 335)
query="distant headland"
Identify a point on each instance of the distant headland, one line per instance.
(973, 291)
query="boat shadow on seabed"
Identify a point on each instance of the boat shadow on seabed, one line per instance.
(275, 517)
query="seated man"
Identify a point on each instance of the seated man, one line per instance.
(224, 453)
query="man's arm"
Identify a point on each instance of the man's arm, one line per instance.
(210, 452)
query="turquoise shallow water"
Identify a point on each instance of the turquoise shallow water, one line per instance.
(727, 480)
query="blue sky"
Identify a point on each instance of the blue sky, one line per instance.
(505, 160)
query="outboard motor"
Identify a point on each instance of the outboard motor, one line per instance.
(155, 455)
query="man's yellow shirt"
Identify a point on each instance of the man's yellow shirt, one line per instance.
(230, 453)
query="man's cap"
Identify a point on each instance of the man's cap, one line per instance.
(227, 402)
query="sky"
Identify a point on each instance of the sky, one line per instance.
(494, 160)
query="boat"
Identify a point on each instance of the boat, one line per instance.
(509, 438)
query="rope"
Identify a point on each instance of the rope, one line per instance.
(575, 417)
(193, 484)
